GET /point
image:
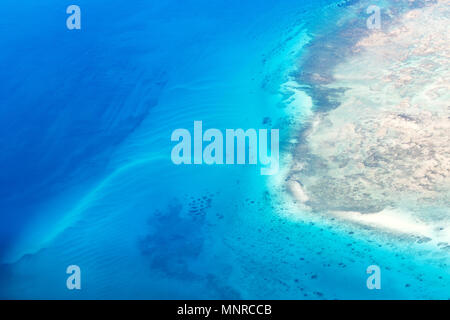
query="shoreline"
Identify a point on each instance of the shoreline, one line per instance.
(328, 95)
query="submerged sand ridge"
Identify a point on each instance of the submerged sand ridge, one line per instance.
(387, 144)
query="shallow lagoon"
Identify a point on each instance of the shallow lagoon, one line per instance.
(88, 152)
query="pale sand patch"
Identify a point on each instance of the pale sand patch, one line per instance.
(398, 222)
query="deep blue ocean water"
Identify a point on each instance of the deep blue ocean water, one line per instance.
(85, 123)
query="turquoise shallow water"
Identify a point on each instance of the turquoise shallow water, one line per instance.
(86, 122)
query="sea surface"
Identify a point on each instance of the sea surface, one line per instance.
(86, 118)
